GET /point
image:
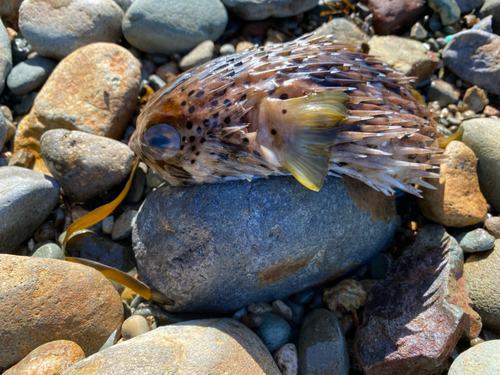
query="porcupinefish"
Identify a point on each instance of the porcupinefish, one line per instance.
(310, 107)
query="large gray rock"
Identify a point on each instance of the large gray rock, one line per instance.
(211, 346)
(56, 28)
(481, 359)
(471, 55)
(258, 10)
(30, 75)
(5, 56)
(482, 135)
(491, 7)
(172, 26)
(26, 199)
(220, 247)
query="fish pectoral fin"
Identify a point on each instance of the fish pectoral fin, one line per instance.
(308, 150)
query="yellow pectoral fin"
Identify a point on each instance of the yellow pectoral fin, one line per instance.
(443, 142)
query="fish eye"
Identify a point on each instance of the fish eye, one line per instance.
(161, 142)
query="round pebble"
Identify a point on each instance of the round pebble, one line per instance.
(286, 359)
(274, 332)
(227, 49)
(123, 225)
(199, 55)
(107, 224)
(79, 22)
(476, 240)
(30, 74)
(5, 56)
(280, 308)
(492, 224)
(50, 250)
(134, 326)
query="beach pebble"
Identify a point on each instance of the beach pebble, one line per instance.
(124, 4)
(242, 46)
(343, 30)
(50, 250)
(30, 74)
(491, 111)
(408, 327)
(5, 56)
(442, 92)
(481, 271)
(418, 32)
(9, 12)
(470, 55)
(457, 201)
(51, 358)
(26, 199)
(107, 224)
(170, 26)
(475, 99)
(280, 308)
(482, 135)
(467, 5)
(53, 300)
(123, 225)
(22, 158)
(233, 266)
(94, 90)
(153, 179)
(447, 9)
(322, 347)
(408, 56)
(26, 104)
(138, 183)
(4, 130)
(202, 53)
(211, 346)
(481, 359)
(259, 308)
(491, 8)
(476, 240)
(55, 29)
(258, 10)
(274, 331)
(492, 224)
(227, 49)
(348, 295)
(286, 359)
(134, 326)
(168, 72)
(389, 16)
(85, 165)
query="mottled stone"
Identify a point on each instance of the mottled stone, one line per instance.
(212, 346)
(472, 56)
(227, 49)
(322, 346)
(408, 56)
(46, 299)
(274, 331)
(48, 359)
(286, 359)
(29, 75)
(26, 199)
(442, 92)
(414, 318)
(482, 270)
(56, 28)
(202, 53)
(5, 55)
(481, 359)
(134, 326)
(93, 90)
(389, 16)
(492, 224)
(482, 135)
(476, 240)
(271, 239)
(475, 99)
(50, 250)
(258, 10)
(343, 30)
(448, 10)
(457, 200)
(173, 26)
(85, 165)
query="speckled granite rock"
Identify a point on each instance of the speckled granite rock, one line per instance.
(482, 359)
(223, 246)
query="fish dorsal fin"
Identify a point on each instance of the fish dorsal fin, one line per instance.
(311, 121)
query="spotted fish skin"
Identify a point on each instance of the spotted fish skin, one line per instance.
(242, 116)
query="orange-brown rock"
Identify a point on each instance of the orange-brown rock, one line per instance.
(93, 90)
(457, 201)
(43, 300)
(48, 359)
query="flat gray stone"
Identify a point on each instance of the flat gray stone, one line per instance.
(482, 135)
(476, 240)
(211, 346)
(471, 55)
(322, 347)
(30, 74)
(26, 199)
(173, 26)
(252, 10)
(56, 28)
(442, 92)
(220, 247)
(5, 55)
(481, 359)
(85, 165)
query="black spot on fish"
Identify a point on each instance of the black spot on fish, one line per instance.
(198, 130)
(227, 120)
(246, 83)
(193, 148)
(245, 140)
(191, 92)
(223, 156)
(264, 166)
(197, 154)
(244, 97)
(183, 139)
(410, 111)
(283, 111)
(200, 94)
(270, 92)
(206, 122)
(214, 103)
(239, 63)
(214, 123)
(189, 125)
(273, 132)
(181, 148)
(192, 161)
(222, 92)
(283, 96)
(191, 139)
(216, 114)
(183, 103)
(191, 109)
(202, 140)
(256, 153)
(227, 102)
(242, 120)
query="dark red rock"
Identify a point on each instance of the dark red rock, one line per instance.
(389, 15)
(414, 318)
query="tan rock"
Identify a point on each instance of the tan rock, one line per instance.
(93, 90)
(242, 46)
(457, 201)
(46, 299)
(168, 71)
(211, 346)
(48, 359)
(492, 224)
(491, 111)
(475, 98)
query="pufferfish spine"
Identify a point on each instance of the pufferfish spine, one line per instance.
(310, 107)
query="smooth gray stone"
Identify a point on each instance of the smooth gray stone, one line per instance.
(25, 106)
(470, 55)
(322, 347)
(4, 130)
(442, 92)
(85, 165)
(30, 74)
(486, 24)
(202, 53)
(5, 55)
(476, 240)
(172, 26)
(26, 199)
(219, 247)
(227, 49)
(50, 250)
(252, 10)
(274, 331)
(491, 7)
